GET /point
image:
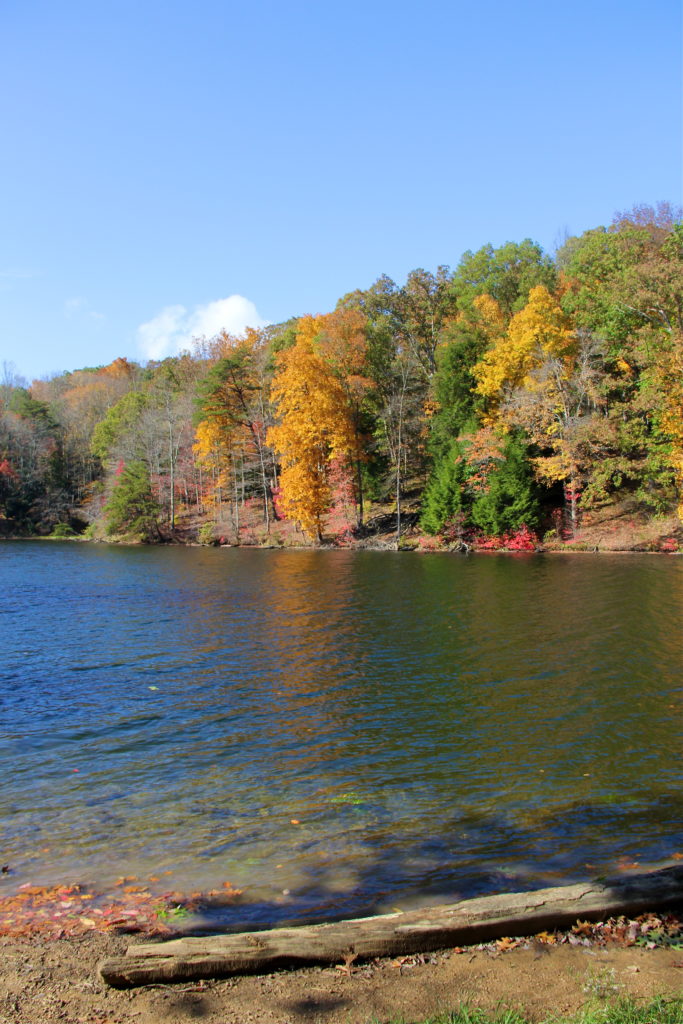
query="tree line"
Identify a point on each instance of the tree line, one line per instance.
(503, 399)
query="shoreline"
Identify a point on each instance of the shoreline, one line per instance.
(399, 933)
(153, 907)
(48, 981)
(380, 547)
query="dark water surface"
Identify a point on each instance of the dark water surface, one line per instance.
(436, 725)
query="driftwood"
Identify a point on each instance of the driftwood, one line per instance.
(467, 922)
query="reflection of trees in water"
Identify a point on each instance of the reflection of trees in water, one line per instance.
(429, 720)
(316, 676)
(567, 661)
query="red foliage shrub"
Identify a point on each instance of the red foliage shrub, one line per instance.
(426, 543)
(522, 539)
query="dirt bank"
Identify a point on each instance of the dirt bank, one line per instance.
(47, 981)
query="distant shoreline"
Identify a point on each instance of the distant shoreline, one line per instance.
(380, 547)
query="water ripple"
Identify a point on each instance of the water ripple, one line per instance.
(435, 726)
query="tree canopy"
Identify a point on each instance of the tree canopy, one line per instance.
(518, 391)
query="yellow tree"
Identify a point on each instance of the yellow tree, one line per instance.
(343, 345)
(232, 397)
(539, 331)
(489, 317)
(213, 454)
(544, 377)
(315, 426)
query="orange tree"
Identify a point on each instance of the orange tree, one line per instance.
(315, 427)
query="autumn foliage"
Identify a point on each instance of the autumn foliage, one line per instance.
(512, 396)
(315, 427)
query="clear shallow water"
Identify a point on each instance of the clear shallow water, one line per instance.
(437, 726)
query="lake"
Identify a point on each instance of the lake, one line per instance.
(337, 732)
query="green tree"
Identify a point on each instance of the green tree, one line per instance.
(456, 404)
(507, 274)
(623, 284)
(132, 508)
(445, 497)
(487, 481)
(507, 500)
(119, 421)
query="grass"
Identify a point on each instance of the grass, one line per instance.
(624, 1011)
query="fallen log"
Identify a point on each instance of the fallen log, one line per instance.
(416, 931)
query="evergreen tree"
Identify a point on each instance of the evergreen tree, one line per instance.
(508, 499)
(445, 496)
(132, 507)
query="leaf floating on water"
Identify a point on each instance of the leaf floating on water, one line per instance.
(228, 890)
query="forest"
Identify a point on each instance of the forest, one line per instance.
(506, 403)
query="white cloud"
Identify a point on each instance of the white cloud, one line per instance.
(79, 307)
(161, 336)
(174, 327)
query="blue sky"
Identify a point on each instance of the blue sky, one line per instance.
(168, 168)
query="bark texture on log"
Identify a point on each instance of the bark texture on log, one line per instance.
(416, 931)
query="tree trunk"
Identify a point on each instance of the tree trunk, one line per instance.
(171, 459)
(359, 479)
(467, 922)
